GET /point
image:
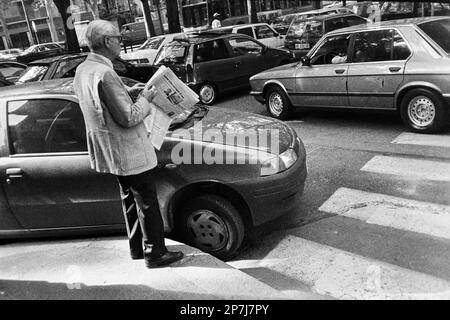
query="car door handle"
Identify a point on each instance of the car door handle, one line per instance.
(394, 69)
(13, 173)
(339, 71)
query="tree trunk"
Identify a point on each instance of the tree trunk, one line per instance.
(173, 19)
(148, 18)
(69, 28)
(5, 30)
(93, 7)
(316, 4)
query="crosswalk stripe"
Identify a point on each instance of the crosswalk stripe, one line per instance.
(344, 275)
(411, 168)
(433, 140)
(404, 214)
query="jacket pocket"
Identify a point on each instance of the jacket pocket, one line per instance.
(132, 153)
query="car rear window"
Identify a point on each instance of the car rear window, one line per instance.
(297, 28)
(175, 52)
(152, 43)
(32, 73)
(439, 31)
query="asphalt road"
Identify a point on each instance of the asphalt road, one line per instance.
(375, 217)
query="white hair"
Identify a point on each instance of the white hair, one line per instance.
(96, 32)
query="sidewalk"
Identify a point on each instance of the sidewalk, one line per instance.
(100, 268)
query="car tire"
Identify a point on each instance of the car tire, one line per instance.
(277, 103)
(208, 93)
(423, 111)
(212, 224)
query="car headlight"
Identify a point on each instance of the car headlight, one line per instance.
(277, 164)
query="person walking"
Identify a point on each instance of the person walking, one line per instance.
(216, 22)
(119, 143)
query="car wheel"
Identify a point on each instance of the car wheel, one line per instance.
(207, 93)
(423, 111)
(211, 224)
(278, 104)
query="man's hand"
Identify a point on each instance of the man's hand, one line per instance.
(149, 94)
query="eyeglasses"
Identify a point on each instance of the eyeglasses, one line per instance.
(119, 37)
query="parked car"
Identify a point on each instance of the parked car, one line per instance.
(400, 65)
(282, 23)
(11, 70)
(64, 66)
(48, 187)
(10, 54)
(133, 33)
(303, 34)
(212, 63)
(392, 10)
(40, 51)
(146, 53)
(259, 31)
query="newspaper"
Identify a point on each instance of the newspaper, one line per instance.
(173, 100)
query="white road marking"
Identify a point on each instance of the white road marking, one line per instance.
(404, 214)
(344, 275)
(434, 140)
(411, 168)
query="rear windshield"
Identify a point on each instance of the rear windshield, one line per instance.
(32, 73)
(174, 52)
(152, 43)
(439, 31)
(298, 28)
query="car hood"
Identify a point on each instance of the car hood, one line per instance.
(231, 124)
(139, 54)
(284, 71)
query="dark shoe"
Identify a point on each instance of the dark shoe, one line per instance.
(167, 258)
(137, 256)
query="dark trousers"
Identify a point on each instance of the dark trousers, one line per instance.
(145, 226)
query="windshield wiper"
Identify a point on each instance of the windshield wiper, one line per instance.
(199, 112)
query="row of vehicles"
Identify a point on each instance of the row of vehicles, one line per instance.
(402, 66)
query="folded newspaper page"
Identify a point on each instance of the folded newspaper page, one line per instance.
(173, 100)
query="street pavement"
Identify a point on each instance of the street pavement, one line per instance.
(375, 217)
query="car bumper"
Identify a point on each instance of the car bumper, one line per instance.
(276, 195)
(259, 96)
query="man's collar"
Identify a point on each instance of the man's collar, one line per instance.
(102, 58)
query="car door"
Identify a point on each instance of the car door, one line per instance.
(251, 58)
(324, 83)
(266, 35)
(213, 63)
(377, 68)
(47, 177)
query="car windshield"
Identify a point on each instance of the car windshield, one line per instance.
(32, 73)
(153, 43)
(173, 53)
(439, 31)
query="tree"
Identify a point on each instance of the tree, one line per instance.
(69, 28)
(173, 18)
(93, 7)
(4, 6)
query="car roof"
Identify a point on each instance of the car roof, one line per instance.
(57, 86)
(204, 36)
(331, 16)
(392, 23)
(12, 62)
(57, 58)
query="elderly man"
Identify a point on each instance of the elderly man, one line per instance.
(119, 144)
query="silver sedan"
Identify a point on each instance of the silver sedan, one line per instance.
(400, 65)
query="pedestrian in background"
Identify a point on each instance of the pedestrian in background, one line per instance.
(119, 144)
(216, 22)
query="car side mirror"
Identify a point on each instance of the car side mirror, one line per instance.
(306, 61)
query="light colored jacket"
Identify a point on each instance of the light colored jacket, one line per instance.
(118, 141)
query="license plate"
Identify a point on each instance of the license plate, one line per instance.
(302, 46)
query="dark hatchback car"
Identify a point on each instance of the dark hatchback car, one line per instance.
(212, 63)
(49, 189)
(303, 34)
(40, 51)
(64, 66)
